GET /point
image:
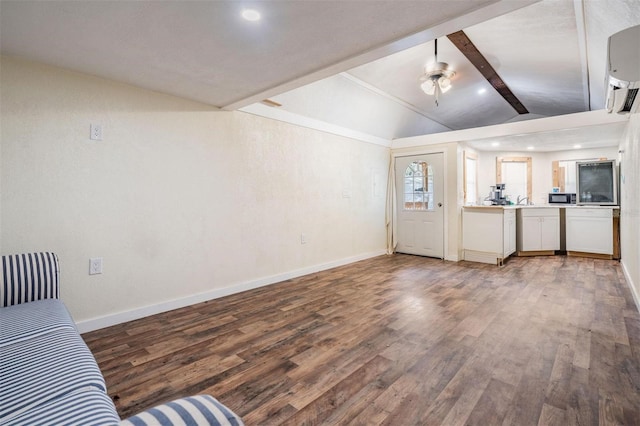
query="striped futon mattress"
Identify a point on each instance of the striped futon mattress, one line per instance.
(48, 375)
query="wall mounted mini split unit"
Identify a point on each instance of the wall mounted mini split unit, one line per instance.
(623, 71)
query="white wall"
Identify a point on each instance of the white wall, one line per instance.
(179, 199)
(630, 204)
(541, 167)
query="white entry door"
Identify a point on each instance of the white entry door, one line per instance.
(420, 192)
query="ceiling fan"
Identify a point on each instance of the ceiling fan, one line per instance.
(437, 77)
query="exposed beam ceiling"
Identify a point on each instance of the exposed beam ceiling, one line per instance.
(480, 12)
(477, 59)
(547, 53)
(349, 65)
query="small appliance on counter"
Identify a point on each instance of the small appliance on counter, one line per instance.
(562, 198)
(496, 195)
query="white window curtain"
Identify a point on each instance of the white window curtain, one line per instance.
(390, 211)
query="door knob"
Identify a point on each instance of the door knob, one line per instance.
(439, 204)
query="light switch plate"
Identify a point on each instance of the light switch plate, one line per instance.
(95, 265)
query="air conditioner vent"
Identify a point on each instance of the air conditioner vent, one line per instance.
(631, 97)
(623, 72)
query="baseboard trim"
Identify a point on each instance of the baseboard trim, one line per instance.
(590, 255)
(145, 311)
(536, 253)
(631, 284)
(483, 257)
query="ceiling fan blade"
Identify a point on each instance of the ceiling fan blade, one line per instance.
(468, 49)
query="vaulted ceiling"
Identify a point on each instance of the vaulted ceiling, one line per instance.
(551, 54)
(204, 50)
(353, 64)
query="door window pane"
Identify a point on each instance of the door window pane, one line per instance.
(418, 186)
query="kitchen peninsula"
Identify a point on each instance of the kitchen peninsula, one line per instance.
(490, 234)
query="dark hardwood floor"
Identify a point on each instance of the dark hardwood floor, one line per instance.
(397, 340)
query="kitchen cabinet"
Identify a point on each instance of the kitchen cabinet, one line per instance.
(488, 233)
(589, 230)
(538, 231)
(509, 243)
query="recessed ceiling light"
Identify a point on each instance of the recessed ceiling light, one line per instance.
(577, 146)
(482, 91)
(495, 143)
(251, 15)
(530, 148)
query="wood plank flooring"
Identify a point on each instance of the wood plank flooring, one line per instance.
(397, 340)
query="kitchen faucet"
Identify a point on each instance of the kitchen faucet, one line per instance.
(522, 200)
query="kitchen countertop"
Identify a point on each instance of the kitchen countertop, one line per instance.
(492, 207)
(540, 206)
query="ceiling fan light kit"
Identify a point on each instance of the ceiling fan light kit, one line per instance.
(437, 77)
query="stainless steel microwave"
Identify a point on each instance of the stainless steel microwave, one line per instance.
(562, 198)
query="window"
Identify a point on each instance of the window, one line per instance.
(515, 173)
(418, 186)
(470, 178)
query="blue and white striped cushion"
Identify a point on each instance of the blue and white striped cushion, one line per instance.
(28, 277)
(42, 369)
(87, 407)
(29, 320)
(199, 410)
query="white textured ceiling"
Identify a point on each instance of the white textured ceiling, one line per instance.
(586, 137)
(551, 54)
(204, 50)
(353, 64)
(537, 58)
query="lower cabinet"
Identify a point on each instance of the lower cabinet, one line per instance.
(590, 230)
(491, 234)
(488, 234)
(538, 230)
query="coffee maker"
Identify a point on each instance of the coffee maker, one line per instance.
(496, 195)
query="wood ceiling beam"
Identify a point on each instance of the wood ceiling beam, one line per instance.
(468, 49)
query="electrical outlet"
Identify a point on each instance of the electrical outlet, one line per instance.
(95, 265)
(96, 132)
